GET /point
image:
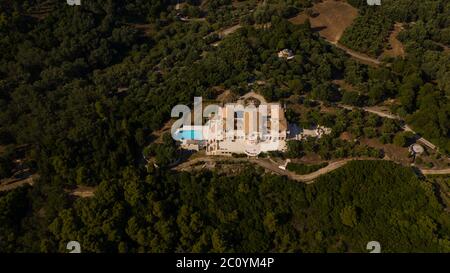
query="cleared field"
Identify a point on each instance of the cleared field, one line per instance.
(331, 18)
(344, 85)
(299, 19)
(145, 29)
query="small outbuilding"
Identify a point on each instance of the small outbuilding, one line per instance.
(416, 149)
(286, 54)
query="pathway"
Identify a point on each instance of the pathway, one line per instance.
(359, 56)
(386, 114)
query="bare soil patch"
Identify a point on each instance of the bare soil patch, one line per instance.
(165, 129)
(392, 152)
(332, 17)
(227, 31)
(146, 29)
(445, 48)
(346, 136)
(301, 18)
(344, 85)
(361, 57)
(310, 159)
(226, 97)
(328, 110)
(83, 192)
(396, 47)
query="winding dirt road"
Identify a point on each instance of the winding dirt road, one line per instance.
(306, 178)
(435, 172)
(385, 114)
(309, 178)
(265, 163)
(15, 184)
(357, 55)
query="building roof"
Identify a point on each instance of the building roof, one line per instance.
(416, 148)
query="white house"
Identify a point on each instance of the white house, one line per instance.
(286, 54)
(238, 128)
(249, 129)
(250, 126)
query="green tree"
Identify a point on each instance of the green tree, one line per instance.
(349, 216)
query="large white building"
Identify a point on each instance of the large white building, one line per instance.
(249, 129)
(251, 126)
(239, 128)
(286, 54)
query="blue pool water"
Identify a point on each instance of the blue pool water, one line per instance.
(189, 135)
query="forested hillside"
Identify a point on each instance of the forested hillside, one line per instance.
(423, 89)
(204, 212)
(61, 82)
(82, 89)
(369, 32)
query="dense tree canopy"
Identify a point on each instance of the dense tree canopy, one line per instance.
(83, 90)
(205, 212)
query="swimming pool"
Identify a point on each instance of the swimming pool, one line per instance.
(189, 135)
